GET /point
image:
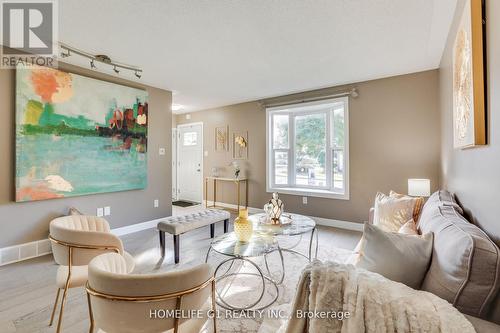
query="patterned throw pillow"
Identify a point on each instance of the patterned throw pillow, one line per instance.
(392, 212)
(409, 228)
(419, 204)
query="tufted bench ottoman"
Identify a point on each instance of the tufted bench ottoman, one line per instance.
(177, 225)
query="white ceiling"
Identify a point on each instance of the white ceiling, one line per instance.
(219, 52)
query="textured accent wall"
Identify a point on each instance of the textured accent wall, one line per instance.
(394, 135)
(25, 222)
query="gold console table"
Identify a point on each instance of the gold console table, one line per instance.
(237, 182)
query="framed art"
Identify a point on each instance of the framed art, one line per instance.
(77, 136)
(240, 145)
(222, 138)
(469, 123)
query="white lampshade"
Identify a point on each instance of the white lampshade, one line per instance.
(419, 187)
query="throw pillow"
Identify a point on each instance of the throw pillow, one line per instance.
(409, 228)
(398, 257)
(392, 212)
(419, 204)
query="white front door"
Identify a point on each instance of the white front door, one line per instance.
(189, 166)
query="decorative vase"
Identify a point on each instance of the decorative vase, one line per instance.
(277, 208)
(243, 228)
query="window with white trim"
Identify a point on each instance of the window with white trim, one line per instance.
(308, 148)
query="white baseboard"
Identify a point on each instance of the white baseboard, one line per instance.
(20, 252)
(129, 229)
(319, 220)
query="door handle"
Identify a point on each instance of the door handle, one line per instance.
(198, 170)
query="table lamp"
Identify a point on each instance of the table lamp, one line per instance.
(419, 187)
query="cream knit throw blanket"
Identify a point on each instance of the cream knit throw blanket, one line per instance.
(375, 304)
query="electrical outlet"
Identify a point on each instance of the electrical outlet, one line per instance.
(100, 212)
(161, 151)
(156, 203)
(107, 211)
(304, 200)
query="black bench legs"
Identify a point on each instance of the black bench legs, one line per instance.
(212, 228)
(163, 246)
(177, 240)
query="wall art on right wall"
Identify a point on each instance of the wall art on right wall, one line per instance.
(469, 124)
(240, 145)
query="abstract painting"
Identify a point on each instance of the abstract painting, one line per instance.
(469, 125)
(77, 136)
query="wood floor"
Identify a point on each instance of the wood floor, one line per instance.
(27, 289)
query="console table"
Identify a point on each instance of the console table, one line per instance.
(235, 181)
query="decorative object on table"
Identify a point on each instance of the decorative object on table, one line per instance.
(240, 145)
(268, 208)
(237, 170)
(215, 172)
(77, 136)
(221, 138)
(277, 208)
(469, 124)
(243, 228)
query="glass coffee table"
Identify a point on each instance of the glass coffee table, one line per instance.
(264, 242)
(259, 245)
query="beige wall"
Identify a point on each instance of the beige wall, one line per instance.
(473, 174)
(394, 135)
(25, 222)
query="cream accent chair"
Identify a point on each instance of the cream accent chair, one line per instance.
(120, 302)
(76, 240)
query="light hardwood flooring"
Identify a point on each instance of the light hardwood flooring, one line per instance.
(27, 289)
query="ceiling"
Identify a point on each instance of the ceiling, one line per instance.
(211, 53)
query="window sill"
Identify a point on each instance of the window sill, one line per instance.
(309, 192)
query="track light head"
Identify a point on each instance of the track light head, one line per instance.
(92, 65)
(138, 74)
(117, 71)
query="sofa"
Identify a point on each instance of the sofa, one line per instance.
(465, 264)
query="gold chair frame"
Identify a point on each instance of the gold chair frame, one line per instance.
(155, 298)
(70, 247)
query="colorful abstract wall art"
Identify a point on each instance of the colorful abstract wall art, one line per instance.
(77, 136)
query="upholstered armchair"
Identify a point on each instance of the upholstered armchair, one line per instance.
(120, 302)
(76, 240)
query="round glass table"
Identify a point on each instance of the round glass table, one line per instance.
(260, 244)
(264, 241)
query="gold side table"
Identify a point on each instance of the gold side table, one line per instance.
(237, 182)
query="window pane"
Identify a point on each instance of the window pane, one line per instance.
(338, 127)
(280, 131)
(310, 148)
(338, 169)
(280, 168)
(190, 138)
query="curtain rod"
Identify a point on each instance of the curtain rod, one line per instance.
(353, 93)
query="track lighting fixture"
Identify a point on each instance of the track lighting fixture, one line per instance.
(117, 67)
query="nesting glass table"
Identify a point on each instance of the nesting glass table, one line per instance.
(264, 241)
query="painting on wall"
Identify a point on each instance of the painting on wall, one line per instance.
(240, 145)
(222, 138)
(469, 125)
(77, 136)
